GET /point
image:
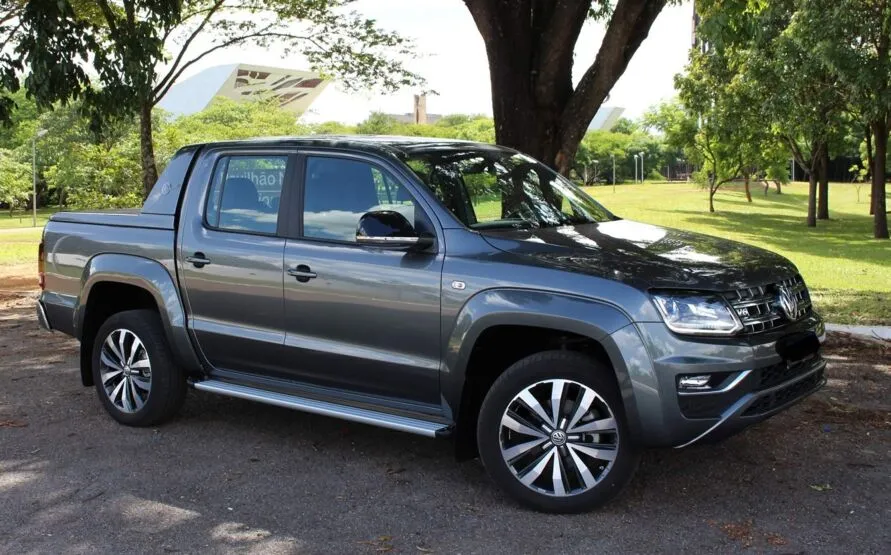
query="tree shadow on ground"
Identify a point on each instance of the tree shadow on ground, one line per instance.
(787, 200)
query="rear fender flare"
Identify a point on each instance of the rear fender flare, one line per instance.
(152, 277)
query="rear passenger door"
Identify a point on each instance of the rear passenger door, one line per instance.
(359, 317)
(231, 258)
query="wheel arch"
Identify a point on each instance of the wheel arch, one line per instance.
(113, 283)
(526, 321)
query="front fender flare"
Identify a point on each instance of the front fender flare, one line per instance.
(590, 318)
(151, 276)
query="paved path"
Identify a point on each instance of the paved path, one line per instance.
(232, 476)
(873, 332)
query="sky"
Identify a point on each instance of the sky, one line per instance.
(452, 59)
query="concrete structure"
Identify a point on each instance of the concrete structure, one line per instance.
(605, 118)
(293, 89)
(419, 113)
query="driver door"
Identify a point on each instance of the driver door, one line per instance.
(358, 317)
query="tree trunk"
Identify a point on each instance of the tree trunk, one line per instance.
(880, 217)
(812, 200)
(711, 196)
(823, 193)
(147, 149)
(748, 191)
(779, 186)
(530, 47)
(870, 160)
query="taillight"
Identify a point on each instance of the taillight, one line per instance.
(41, 266)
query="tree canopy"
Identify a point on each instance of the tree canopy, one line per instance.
(137, 49)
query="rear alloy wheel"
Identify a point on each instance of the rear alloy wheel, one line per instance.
(135, 374)
(552, 433)
(125, 370)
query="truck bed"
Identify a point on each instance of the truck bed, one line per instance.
(130, 217)
(74, 240)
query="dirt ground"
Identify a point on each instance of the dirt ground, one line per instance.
(229, 475)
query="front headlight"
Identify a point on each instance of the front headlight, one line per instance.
(697, 314)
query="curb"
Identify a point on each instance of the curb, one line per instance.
(880, 333)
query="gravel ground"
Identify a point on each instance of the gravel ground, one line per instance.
(229, 475)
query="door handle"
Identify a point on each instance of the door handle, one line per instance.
(302, 273)
(198, 260)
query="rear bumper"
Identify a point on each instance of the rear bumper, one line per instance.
(42, 320)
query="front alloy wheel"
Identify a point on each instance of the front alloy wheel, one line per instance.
(551, 432)
(559, 437)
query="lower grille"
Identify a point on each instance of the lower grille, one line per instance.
(783, 372)
(784, 395)
(759, 308)
(703, 406)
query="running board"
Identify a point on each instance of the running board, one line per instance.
(325, 408)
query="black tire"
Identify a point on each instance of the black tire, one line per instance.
(167, 381)
(552, 365)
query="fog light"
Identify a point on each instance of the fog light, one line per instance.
(695, 382)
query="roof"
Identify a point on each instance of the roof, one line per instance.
(294, 90)
(388, 144)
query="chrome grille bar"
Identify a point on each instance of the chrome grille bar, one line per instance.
(758, 307)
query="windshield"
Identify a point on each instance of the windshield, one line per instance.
(490, 188)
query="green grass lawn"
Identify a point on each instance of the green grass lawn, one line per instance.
(21, 218)
(19, 246)
(849, 273)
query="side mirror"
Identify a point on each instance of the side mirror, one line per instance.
(389, 229)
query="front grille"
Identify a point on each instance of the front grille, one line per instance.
(759, 308)
(770, 376)
(784, 395)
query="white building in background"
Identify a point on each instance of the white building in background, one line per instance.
(605, 118)
(294, 90)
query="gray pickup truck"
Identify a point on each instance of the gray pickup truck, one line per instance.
(443, 288)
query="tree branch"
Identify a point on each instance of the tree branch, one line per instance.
(557, 42)
(166, 80)
(628, 27)
(108, 14)
(10, 36)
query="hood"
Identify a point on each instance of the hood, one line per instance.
(646, 256)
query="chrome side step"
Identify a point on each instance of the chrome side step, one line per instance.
(325, 408)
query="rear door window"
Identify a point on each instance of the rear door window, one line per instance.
(246, 193)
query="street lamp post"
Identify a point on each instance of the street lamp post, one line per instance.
(596, 166)
(642, 167)
(37, 135)
(613, 158)
(635, 168)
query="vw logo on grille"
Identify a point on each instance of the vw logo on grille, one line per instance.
(788, 302)
(558, 437)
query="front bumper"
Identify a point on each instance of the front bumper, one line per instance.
(758, 376)
(754, 404)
